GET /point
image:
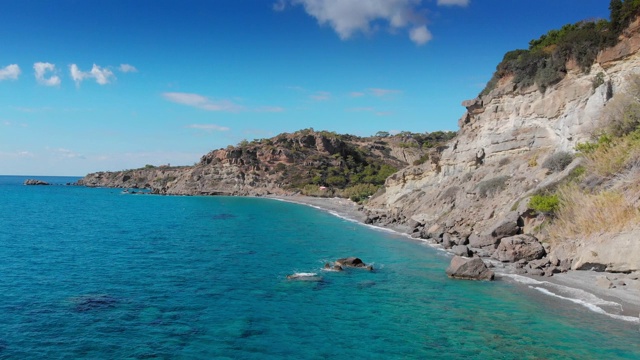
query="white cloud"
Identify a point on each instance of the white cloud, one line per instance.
(208, 127)
(348, 17)
(41, 68)
(69, 154)
(279, 5)
(321, 96)
(462, 3)
(269, 109)
(202, 102)
(420, 35)
(356, 94)
(10, 72)
(16, 154)
(126, 68)
(383, 92)
(77, 75)
(102, 76)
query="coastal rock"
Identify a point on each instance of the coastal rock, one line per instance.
(461, 250)
(350, 262)
(603, 253)
(481, 241)
(519, 247)
(508, 227)
(353, 262)
(335, 267)
(469, 268)
(35, 182)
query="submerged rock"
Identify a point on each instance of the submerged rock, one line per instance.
(469, 269)
(304, 277)
(94, 302)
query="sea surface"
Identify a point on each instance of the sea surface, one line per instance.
(98, 274)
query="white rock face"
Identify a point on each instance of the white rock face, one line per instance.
(504, 138)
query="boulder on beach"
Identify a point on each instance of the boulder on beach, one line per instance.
(519, 247)
(469, 269)
(35, 182)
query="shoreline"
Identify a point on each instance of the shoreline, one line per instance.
(580, 287)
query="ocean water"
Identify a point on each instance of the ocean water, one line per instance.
(97, 274)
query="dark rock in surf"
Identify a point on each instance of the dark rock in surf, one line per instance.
(352, 262)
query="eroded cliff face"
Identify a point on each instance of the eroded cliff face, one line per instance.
(486, 174)
(266, 167)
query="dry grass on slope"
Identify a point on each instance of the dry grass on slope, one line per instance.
(607, 198)
(582, 214)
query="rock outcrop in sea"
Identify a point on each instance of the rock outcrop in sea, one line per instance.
(35, 182)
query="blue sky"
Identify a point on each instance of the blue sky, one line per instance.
(114, 84)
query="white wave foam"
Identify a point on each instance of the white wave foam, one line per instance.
(589, 305)
(575, 295)
(302, 274)
(524, 279)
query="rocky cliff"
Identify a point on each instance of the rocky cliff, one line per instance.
(284, 164)
(476, 192)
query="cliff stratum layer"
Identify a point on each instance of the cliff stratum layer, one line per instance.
(477, 192)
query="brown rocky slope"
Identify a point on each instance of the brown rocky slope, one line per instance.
(476, 194)
(282, 165)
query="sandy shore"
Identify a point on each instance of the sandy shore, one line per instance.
(581, 287)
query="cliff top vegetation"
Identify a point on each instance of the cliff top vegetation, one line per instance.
(544, 63)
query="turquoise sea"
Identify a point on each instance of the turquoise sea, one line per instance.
(97, 274)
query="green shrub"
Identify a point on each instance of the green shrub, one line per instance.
(546, 204)
(361, 192)
(492, 186)
(544, 62)
(628, 122)
(598, 80)
(422, 160)
(558, 161)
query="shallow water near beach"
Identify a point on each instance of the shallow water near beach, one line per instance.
(94, 273)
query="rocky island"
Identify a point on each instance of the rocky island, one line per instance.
(35, 182)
